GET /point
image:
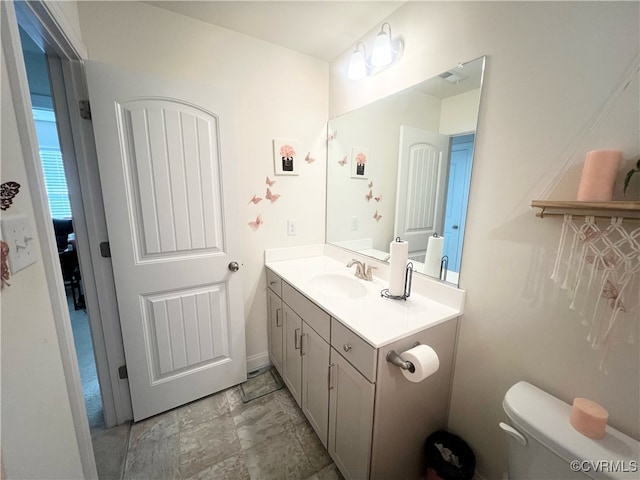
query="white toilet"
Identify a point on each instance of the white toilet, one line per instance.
(543, 445)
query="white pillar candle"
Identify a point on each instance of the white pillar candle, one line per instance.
(397, 266)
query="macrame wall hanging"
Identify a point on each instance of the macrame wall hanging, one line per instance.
(599, 266)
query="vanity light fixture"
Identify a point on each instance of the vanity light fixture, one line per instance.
(358, 64)
(385, 53)
(382, 54)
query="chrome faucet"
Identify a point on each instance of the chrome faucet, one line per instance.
(360, 268)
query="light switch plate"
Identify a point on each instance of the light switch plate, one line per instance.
(16, 231)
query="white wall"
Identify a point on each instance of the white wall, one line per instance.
(460, 113)
(277, 93)
(551, 67)
(38, 436)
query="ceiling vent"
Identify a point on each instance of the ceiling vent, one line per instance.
(453, 76)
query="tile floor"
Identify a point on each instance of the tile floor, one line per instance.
(220, 437)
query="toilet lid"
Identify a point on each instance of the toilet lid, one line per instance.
(546, 419)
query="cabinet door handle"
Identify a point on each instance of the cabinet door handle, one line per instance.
(278, 318)
(273, 282)
(303, 342)
(296, 339)
(346, 347)
(330, 376)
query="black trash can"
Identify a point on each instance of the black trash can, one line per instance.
(449, 457)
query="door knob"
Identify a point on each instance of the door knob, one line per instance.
(455, 227)
(234, 267)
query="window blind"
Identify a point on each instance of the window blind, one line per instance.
(52, 164)
(56, 182)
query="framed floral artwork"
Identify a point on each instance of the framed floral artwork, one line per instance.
(359, 159)
(286, 156)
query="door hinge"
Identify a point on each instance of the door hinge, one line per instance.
(85, 109)
(105, 250)
(122, 372)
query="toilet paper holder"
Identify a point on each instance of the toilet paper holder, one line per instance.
(395, 359)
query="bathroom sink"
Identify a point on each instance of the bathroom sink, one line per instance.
(337, 285)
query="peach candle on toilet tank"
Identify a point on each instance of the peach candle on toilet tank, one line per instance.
(599, 175)
(589, 418)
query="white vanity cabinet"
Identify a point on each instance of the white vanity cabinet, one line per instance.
(351, 399)
(371, 419)
(315, 393)
(275, 320)
(292, 361)
(301, 341)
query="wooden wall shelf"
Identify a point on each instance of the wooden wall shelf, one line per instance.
(599, 209)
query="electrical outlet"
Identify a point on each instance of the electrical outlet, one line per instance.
(292, 227)
(354, 223)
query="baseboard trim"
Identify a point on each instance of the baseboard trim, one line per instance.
(259, 360)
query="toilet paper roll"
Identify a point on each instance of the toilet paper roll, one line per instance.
(397, 266)
(424, 359)
(433, 256)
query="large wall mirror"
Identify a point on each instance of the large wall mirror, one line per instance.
(401, 167)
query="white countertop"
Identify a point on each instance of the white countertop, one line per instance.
(376, 319)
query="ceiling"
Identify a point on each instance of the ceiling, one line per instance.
(321, 29)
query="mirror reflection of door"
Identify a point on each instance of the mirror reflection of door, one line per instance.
(457, 198)
(422, 175)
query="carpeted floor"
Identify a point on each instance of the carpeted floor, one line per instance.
(87, 365)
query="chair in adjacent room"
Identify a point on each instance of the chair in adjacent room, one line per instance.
(69, 260)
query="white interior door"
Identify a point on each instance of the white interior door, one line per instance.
(167, 169)
(422, 183)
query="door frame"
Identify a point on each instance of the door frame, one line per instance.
(66, 52)
(20, 93)
(76, 140)
(47, 23)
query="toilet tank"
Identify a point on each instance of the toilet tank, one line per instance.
(543, 444)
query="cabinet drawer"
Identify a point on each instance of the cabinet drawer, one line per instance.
(274, 282)
(312, 314)
(358, 352)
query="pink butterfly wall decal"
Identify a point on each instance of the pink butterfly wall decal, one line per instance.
(378, 198)
(370, 184)
(272, 196)
(270, 182)
(377, 216)
(343, 162)
(308, 158)
(255, 225)
(369, 196)
(255, 200)
(332, 136)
